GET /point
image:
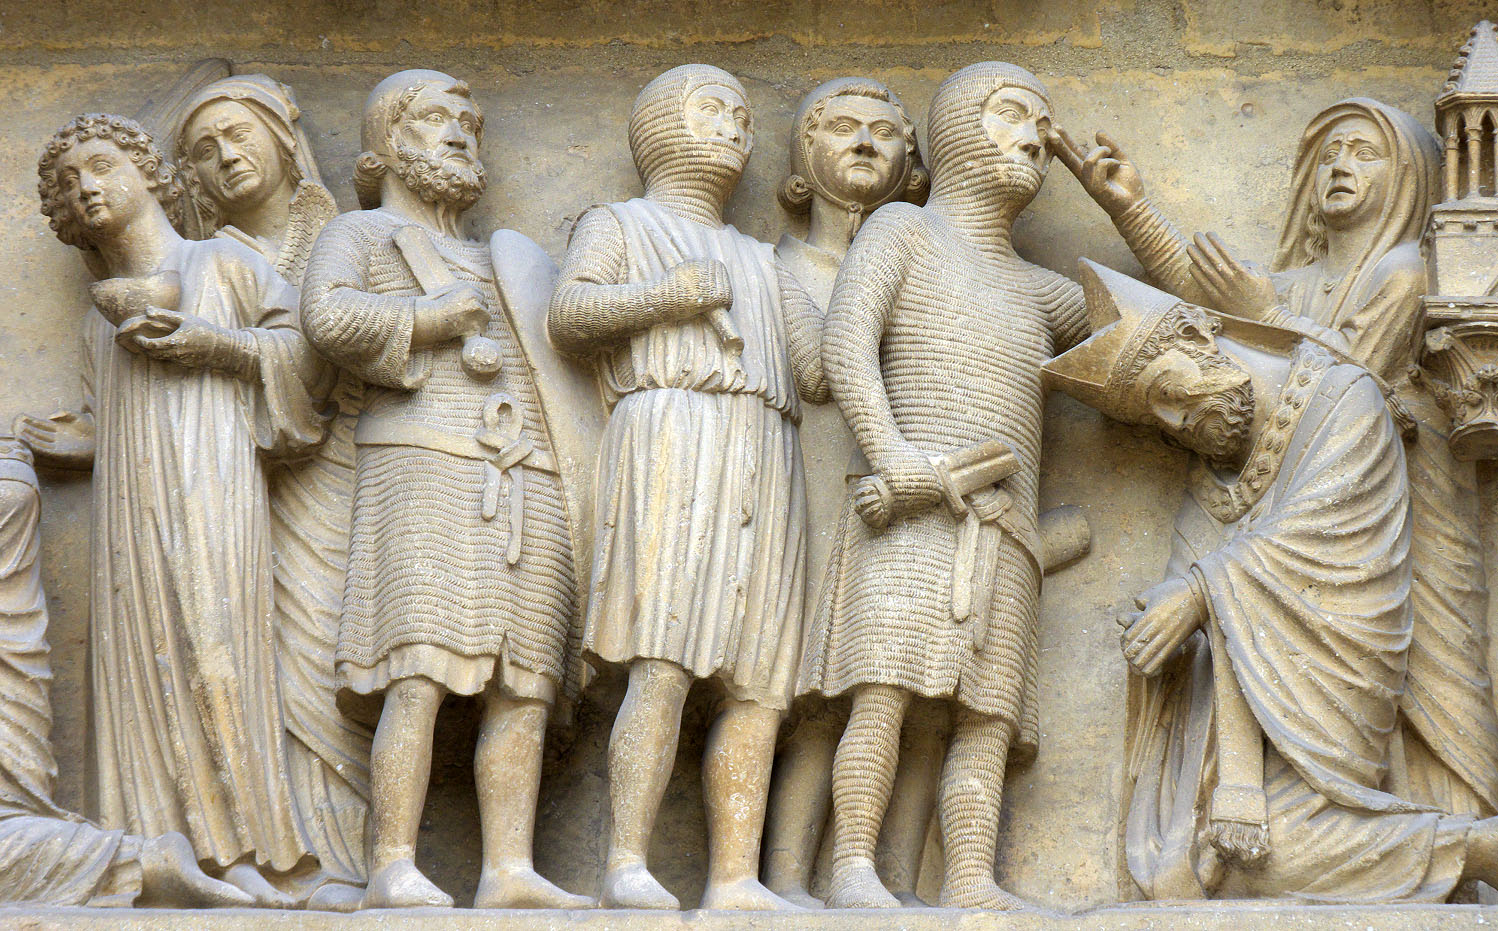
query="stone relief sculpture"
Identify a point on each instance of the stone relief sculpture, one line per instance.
(50, 856)
(460, 575)
(853, 149)
(1349, 272)
(252, 178)
(1266, 748)
(704, 344)
(1460, 308)
(189, 347)
(932, 590)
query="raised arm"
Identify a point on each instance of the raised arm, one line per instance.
(592, 307)
(804, 322)
(863, 298)
(1112, 180)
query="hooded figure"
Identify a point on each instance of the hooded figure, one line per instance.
(703, 344)
(1291, 556)
(935, 337)
(311, 498)
(1349, 273)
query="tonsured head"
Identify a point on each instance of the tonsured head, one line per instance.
(853, 144)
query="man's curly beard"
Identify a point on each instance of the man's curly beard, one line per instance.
(1218, 428)
(437, 181)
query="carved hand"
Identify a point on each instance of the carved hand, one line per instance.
(63, 440)
(185, 339)
(910, 485)
(698, 287)
(1233, 287)
(1168, 614)
(1107, 175)
(457, 310)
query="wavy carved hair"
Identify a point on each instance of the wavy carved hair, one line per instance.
(130, 138)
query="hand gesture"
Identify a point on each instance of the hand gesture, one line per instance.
(700, 285)
(455, 311)
(1168, 614)
(62, 440)
(172, 336)
(1229, 285)
(1106, 173)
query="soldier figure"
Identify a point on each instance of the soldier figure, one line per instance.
(460, 571)
(934, 342)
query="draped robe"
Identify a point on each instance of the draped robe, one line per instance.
(1309, 585)
(48, 855)
(187, 706)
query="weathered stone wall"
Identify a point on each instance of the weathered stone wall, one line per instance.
(1207, 96)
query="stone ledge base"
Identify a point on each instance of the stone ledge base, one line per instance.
(1193, 917)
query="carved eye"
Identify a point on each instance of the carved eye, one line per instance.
(709, 108)
(1368, 153)
(470, 127)
(435, 119)
(843, 128)
(240, 133)
(884, 132)
(1330, 154)
(1011, 115)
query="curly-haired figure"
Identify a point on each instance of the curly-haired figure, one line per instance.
(193, 370)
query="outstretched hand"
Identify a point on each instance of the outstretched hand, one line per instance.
(172, 336)
(1106, 173)
(62, 440)
(1231, 286)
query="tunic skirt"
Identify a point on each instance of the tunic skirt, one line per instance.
(701, 538)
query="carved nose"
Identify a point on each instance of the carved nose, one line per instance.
(864, 142)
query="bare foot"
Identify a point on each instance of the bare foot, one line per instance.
(523, 887)
(171, 877)
(855, 884)
(800, 898)
(401, 885)
(984, 895)
(745, 895)
(336, 897)
(911, 900)
(632, 886)
(247, 878)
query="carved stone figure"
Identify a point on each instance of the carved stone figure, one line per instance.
(853, 149)
(934, 342)
(251, 177)
(48, 855)
(460, 575)
(193, 368)
(1265, 756)
(1348, 272)
(703, 344)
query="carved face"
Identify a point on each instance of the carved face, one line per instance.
(858, 150)
(236, 159)
(102, 188)
(1352, 179)
(1200, 397)
(442, 126)
(720, 115)
(1015, 120)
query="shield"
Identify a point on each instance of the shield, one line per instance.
(572, 408)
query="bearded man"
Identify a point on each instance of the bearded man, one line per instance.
(1263, 749)
(460, 572)
(194, 370)
(853, 149)
(251, 177)
(1349, 272)
(934, 343)
(703, 345)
